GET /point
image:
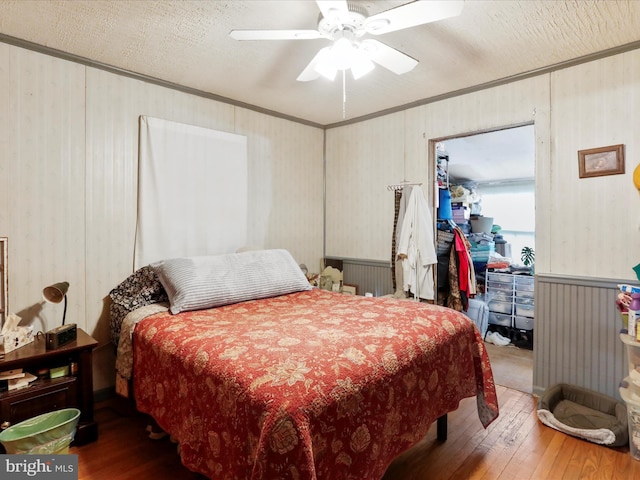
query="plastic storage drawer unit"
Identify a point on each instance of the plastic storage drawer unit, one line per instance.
(524, 292)
(524, 286)
(524, 323)
(503, 278)
(525, 283)
(633, 353)
(500, 287)
(524, 310)
(500, 306)
(499, 319)
(629, 393)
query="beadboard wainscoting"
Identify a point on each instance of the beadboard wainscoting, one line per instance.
(577, 331)
(371, 276)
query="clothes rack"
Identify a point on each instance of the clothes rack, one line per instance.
(400, 186)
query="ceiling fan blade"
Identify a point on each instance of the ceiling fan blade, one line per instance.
(412, 14)
(310, 72)
(334, 10)
(274, 34)
(388, 57)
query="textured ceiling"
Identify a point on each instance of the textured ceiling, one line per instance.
(187, 43)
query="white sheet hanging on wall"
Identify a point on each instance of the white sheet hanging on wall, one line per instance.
(192, 191)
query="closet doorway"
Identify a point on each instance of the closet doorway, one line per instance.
(491, 175)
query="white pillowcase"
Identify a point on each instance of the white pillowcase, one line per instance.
(195, 283)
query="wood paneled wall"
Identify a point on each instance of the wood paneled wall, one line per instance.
(43, 193)
(584, 227)
(362, 159)
(69, 149)
(593, 226)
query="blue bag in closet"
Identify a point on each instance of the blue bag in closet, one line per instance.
(444, 210)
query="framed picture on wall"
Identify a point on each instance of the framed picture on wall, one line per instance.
(596, 162)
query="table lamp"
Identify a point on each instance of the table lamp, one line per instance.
(55, 294)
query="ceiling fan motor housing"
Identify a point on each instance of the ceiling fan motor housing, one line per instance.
(339, 21)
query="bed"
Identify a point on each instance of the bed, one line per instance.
(285, 381)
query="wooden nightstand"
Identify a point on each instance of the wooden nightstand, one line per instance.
(47, 395)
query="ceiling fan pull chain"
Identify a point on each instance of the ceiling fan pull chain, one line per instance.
(344, 95)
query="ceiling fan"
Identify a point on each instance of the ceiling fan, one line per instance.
(346, 25)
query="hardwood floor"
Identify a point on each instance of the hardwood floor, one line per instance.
(516, 446)
(512, 366)
(124, 451)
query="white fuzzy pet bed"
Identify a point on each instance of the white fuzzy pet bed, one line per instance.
(585, 414)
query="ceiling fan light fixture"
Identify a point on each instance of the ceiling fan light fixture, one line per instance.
(327, 71)
(343, 53)
(325, 65)
(361, 66)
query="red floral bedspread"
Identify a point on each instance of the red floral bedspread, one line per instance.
(312, 385)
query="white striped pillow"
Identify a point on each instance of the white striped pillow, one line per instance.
(194, 283)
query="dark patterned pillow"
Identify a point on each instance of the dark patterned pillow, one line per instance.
(141, 288)
(116, 316)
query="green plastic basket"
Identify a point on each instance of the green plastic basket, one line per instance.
(48, 433)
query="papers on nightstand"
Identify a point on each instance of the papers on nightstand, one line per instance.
(9, 374)
(14, 336)
(15, 379)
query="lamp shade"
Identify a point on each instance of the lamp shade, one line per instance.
(55, 293)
